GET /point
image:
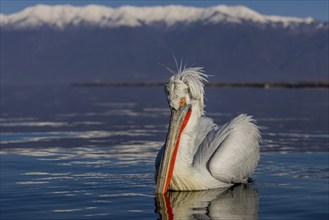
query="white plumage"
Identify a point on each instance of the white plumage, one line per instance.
(207, 156)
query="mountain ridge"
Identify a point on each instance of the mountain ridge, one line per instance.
(60, 16)
(240, 50)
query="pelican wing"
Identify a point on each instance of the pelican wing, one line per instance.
(230, 154)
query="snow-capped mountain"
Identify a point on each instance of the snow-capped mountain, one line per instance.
(61, 16)
(67, 44)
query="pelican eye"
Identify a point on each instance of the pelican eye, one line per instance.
(182, 102)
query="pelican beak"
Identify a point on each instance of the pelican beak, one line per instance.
(178, 121)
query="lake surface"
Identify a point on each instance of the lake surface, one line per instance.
(88, 153)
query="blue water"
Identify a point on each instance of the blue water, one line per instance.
(88, 153)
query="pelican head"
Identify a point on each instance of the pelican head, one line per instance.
(186, 88)
(185, 95)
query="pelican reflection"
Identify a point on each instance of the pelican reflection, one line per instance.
(238, 202)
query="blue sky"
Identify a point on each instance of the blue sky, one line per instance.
(296, 8)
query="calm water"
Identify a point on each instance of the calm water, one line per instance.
(88, 153)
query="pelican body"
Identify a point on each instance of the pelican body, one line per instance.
(198, 154)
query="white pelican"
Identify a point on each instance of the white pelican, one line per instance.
(199, 155)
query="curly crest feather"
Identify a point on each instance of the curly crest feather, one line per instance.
(193, 78)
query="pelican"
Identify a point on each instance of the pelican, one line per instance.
(198, 154)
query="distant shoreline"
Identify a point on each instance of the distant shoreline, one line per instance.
(266, 85)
